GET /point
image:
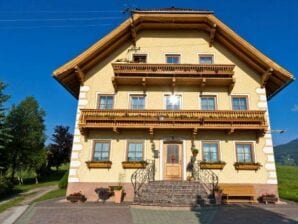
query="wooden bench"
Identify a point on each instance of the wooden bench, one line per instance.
(238, 193)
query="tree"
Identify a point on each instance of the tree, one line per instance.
(4, 131)
(59, 151)
(26, 124)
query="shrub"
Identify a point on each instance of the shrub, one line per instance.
(6, 187)
(63, 182)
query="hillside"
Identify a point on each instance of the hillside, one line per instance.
(287, 154)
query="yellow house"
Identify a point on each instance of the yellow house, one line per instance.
(163, 83)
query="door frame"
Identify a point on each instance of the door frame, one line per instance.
(183, 165)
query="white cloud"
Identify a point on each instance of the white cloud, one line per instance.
(295, 108)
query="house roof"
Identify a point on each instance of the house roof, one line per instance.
(273, 76)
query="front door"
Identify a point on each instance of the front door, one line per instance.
(172, 161)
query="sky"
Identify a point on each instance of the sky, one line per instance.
(37, 36)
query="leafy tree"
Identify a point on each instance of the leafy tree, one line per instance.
(26, 124)
(59, 151)
(4, 131)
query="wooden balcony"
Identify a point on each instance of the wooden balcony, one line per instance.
(166, 119)
(201, 75)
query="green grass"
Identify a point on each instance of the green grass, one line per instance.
(52, 194)
(288, 182)
(11, 203)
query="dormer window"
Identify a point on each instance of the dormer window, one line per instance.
(139, 58)
(206, 59)
(173, 59)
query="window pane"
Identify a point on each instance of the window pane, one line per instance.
(173, 102)
(106, 102)
(138, 58)
(206, 59)
(210, 151)
(137, 102)
(101, 151)
(208, 103)
(244, 153)
(239, 103)
(173, 59)
(135, 152)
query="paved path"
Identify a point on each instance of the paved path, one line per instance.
(10, 215)
(60, 212)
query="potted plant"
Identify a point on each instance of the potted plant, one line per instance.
(268, 198)
(218, 195)
(194, 152)
(75, 197)
(118, 193)
(103, 193)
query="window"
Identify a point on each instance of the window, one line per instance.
(172, 58)
(206, 59)
(101, 151)
(173, 102)
(208, 102)
(105, 102)
(139, 58)
(239, 103)
(137, 102)
(210, 151)
(244, 152)
(135, 151)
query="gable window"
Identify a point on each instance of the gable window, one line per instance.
(239, 103)
(172, 58)
(137, 102)
(101, 151)
(105, 102)
(139, 58)
(208, 102)
(135, 151)
(210, 151)
(206, 59)
(244, 152)
(173, 102)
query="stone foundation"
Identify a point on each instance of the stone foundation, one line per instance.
(88, 189)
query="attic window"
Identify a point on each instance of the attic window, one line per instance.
(206, 59)
(139, 58)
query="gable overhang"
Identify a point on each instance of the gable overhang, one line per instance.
(273, 76)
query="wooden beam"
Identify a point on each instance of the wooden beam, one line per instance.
(212, 35)
(115, 129)
(114, 82)
(265, 77)
(144, 85)
(151, 134)
(79, 73)
(203, 84)
(231, 86)
(133, 32)
(173, 84)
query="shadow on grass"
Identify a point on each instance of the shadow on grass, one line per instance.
(242, 214)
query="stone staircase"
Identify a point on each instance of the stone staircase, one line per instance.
(173, 193)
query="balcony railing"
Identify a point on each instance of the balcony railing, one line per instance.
(166, 119)
(202, 75)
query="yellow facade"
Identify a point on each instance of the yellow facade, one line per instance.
(156, 44)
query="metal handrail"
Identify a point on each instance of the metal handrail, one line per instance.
(143, 176)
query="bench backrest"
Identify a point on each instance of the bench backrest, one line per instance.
(238, 189)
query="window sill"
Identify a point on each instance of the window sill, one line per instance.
(247, 166)
(99, 164)
(219, 165)
(134, 164)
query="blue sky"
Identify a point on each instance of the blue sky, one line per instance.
(37, 36)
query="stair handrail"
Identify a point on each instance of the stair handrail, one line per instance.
(206, 176)
(142, 176)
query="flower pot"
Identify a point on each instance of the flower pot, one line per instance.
(118, 196)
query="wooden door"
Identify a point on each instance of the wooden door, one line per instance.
(172, 161)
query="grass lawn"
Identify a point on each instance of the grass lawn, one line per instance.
(288, 182)
(11, 203)
(52, 194)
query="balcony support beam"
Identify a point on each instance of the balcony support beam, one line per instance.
(265, 77)
(212, 35)
(151, 134)
(79, 73)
